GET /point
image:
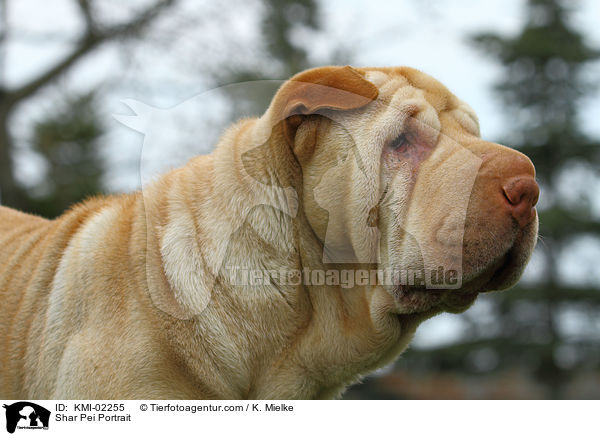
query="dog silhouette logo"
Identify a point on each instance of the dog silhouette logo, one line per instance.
(26, 415)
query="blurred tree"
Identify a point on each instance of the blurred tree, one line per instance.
(95, 34)
(280, 19)
(281, 55)
(543, 88)
(68, 141)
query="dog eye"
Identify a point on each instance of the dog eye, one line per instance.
(400, 144)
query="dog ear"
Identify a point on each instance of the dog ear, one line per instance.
(335, 88)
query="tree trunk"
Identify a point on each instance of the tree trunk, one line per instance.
(11, 194)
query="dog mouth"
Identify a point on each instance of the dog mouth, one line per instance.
(420, 299)
(416, 300)
(500, 273)
(507, 273)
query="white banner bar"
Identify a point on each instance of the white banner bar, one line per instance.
(293, 417)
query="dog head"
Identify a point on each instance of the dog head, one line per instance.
(395, 174)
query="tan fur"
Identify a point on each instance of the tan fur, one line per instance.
(128, 296)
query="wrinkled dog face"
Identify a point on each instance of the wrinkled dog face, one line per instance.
(406, 183)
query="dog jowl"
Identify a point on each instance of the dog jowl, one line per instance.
(350, 170)
(26, 415)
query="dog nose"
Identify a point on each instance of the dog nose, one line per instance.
(522, 193)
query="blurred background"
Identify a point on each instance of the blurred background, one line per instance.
(529, 68)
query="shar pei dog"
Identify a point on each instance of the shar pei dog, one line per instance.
(300, 255)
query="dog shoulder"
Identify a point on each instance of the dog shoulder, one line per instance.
(11, 218)
(15, 228)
